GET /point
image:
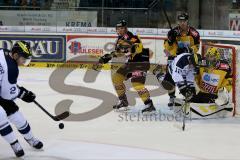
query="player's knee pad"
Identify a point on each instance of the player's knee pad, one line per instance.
(20, 122)
(5, 127)
(117, 78)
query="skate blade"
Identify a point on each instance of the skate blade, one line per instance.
(37, 150)
(125, 109)
(18, 158)
(149, 113)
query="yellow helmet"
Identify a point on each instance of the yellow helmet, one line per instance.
(213, 52)
(212, 56)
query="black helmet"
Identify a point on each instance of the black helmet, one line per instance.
(183, 16)
(22, 48)
(121, 23)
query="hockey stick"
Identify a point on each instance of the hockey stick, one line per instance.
(186, 105)
(55, 118)
(165, 14)
(169, 23)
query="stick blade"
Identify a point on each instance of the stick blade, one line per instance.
(62, 116)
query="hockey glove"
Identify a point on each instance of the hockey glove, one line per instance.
(25, 95)
(187, 91)
(172, 35)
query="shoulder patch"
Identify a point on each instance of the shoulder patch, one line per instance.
(194, 32)
(126, 36)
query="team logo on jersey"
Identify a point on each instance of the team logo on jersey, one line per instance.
(208, 88)
(211, 79)
(126, 36)
(183, 44)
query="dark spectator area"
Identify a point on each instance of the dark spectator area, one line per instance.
(204, 14)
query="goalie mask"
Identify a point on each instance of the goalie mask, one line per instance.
(212, 57)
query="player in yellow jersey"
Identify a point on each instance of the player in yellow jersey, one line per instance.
(130, 46)
(214, 79)
(180, 38)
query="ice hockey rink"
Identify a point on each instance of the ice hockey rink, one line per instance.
(110, 137)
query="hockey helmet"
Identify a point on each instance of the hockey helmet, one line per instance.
(23, 49)
(183, 16)
(121, 23)
(212, 56)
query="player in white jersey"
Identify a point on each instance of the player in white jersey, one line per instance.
(182, 70)
(9, 91)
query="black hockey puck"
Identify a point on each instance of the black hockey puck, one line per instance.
(61, 125)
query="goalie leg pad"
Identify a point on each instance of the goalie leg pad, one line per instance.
(223, 97)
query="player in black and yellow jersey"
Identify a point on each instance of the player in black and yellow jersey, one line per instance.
(180, 38)
(136, 67)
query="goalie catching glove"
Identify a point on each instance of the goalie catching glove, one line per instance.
(25, 95)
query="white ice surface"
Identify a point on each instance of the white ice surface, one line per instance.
(108, 137)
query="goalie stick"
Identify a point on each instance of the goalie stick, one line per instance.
(185, 107)
(55, 118)
(226, 109)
